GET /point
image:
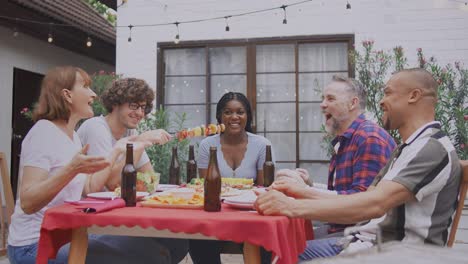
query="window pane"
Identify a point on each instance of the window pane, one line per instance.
(221, 84)
(312, 84)
(318, 171)
(310, 117)
(275, 58)
(213, 115)
(312, 147)
(228, 60)
(185, 61)
(323, 57)
(275, 87)
(284, 145)
(185, 90)
(195, 114)
(276, 117)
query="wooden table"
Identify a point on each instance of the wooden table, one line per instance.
(285, 237)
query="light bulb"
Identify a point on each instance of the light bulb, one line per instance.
(15, 32)
(89, 43)
(50, 39)
(177, 39)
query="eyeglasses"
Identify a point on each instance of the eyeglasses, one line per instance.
(135, 106)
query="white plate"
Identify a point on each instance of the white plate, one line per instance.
(239, 205)
(165, 187)
(111, 195)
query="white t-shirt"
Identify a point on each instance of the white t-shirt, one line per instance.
(49, 148)
(97, 133)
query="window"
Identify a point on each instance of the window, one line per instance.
(282, 78)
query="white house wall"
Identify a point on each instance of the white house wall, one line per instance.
(34, 55)
(439, 27)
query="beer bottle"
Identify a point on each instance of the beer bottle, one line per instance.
(191, 165)
(212, 184)
(268, 168)
(174, 169)
(128, 179)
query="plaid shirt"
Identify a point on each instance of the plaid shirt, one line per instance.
(364, 149)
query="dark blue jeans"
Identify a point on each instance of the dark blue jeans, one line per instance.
(321, 248)
(27, 255)
(112, 249)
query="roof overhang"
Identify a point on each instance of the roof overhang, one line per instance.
(83, 21)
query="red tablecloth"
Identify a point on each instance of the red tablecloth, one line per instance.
(285, 237)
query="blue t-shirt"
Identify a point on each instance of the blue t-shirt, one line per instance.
(254, 156)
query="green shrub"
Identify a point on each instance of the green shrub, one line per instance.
(374, 67)
(160, 155)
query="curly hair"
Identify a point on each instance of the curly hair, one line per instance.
(128, 90)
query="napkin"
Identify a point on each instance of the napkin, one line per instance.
(103, 207)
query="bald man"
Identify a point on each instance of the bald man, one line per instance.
(411, 199)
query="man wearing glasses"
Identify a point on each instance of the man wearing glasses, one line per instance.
(127, 102)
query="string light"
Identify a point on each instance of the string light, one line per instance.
(285, 21)
(50, 38)
(130, 33)
(15, 30)
(177, 37)
(89, 42)
(348, 5)
(227, 25)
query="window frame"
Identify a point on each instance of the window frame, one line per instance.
(251, 74)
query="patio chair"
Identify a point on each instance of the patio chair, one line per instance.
(9, 203)
(461, 202)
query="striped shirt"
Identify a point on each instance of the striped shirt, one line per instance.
(428, 166)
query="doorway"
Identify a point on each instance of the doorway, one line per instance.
(26, 89)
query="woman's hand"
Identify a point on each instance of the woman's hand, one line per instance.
(38, 187)
(158, 136)
(81, 163)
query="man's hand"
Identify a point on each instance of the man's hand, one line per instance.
(87, 164)
(158, 136)
(299, 176)
(274, 203)
(121, 145)
(292, 189)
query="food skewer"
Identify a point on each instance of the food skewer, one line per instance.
(200, 131)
